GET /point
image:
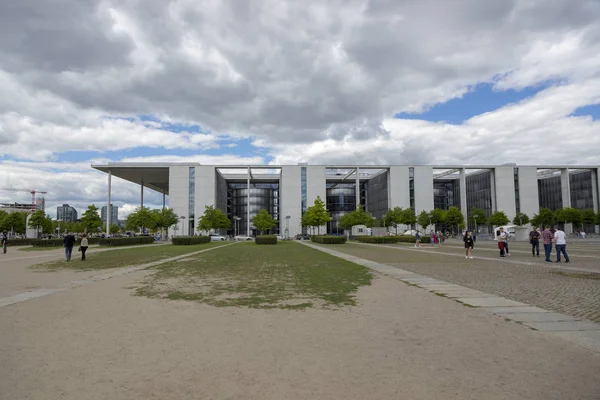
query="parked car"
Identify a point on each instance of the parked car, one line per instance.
(242, 237)
(302, 237)
(217, 238)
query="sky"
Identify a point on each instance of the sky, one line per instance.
(283, 82)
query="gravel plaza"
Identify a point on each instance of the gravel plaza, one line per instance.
(65, 340)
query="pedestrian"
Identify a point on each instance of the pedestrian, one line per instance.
(583, 234)
(431, 239)
(4, 240)
(469, 244)
(547, 238)
(500, 240)
(68, 243)
(505, 236)
(417, 239)
(560, 241)
(83, 246)
(534, 239)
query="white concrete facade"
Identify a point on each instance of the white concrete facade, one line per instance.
(290, 193)
(174, 179)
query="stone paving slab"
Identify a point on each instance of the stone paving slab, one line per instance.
(537, 317)
(588, 339)
(490, 302)
(563, 326)
(34, 294)
(469, 295)
(509, 310)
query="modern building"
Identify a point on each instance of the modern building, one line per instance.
(287, 190)
(66, 213)
(15, 207)
(114, 214)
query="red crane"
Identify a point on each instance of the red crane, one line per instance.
(32, 191)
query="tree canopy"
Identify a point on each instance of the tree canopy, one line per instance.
(356, 217)
(455, 217)
(316, 215)
(477, 216)
(263, 221)
(544, 218)
(521, 219)
(588, 217)
(408, 217)
(90, 219)
(213, 218)
(165, 218)
(498, 218)
(423, 219)
(15, 221)
(569, 215)
(142, 218)
(438, 216)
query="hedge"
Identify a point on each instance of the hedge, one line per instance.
(126, 241)
(390, 239)
(328, 239)
(189, 240)
(266, 239)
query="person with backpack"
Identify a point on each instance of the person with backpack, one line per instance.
(469, 244)
(417, 239)
(534, 239)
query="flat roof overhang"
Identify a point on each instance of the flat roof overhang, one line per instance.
(152, 175)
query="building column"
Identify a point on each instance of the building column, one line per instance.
(142, 196)
(565, 187)
(463, 193)
(108, 205)
(357, 183)
(595, 192)
(248, 205)
(164, 203)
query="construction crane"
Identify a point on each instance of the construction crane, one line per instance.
(32, 191)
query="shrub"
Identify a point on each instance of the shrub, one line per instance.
(266, 239)
(377, 239)
(328, 239)
(126, 241)
(189, 240)
(44, 242)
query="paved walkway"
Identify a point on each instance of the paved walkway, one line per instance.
(581, 332)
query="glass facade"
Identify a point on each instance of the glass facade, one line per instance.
(262, 196)
(517, 194)
(377, 195)
(341, 198)
(192, 201)
(411, 186)
(582, 196)
(446, 193)
(550, 193)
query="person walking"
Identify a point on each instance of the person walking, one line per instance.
(500, 241)
(431, 238)
(4, 241)
(560, 241)
(68, 243)
(547, 238)
(83, 246)
(469, 244)
(505, 236)
(417, 239)
(534, 239)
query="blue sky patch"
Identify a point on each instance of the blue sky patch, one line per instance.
(481, 99)
(591, 110)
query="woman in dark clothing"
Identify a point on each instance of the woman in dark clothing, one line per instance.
(469, 243)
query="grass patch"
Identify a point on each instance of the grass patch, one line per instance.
(105, 259)
(577, 275)
(286, 276)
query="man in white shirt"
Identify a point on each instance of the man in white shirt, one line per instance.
(560, 242)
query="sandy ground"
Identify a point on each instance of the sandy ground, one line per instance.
(100, 342)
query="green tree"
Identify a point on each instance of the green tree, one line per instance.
(438, 216)
(356, 217)
(316, 215)
(393, 216)
(114, 228)
(569, 215)
(37, 220)
(90, 219)
(142, 218)
(408, 217)
(165, 218)
(213, 218)
(477, 216)
(14, 221)
(263, 221)
(588, 217)
(498, 218)
(423, 219)
(47, 226)
(521, 219)
(455, 217)
(544, 218)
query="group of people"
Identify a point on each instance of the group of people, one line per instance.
(68, 242)
(549, 237)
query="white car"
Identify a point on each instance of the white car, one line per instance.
(242, 238)
(217, 238)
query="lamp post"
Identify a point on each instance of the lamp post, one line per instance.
(183, 225)
(236, 225)
(287, 226)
